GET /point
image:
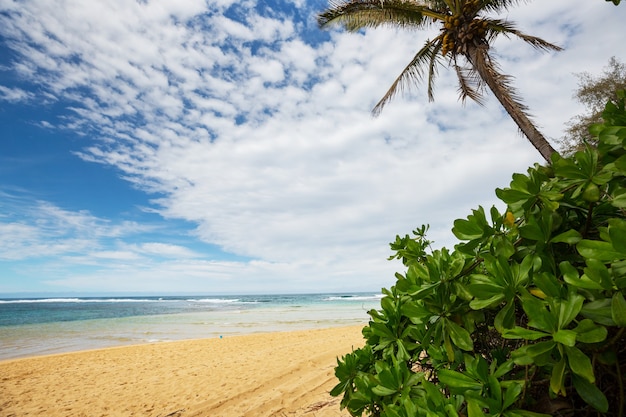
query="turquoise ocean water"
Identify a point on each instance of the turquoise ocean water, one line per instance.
(39, 326)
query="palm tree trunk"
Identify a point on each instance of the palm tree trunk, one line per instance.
(499, 86)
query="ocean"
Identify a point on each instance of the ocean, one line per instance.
(41, 326)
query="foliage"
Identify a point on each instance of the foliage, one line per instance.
(525, 317)
(593, 92)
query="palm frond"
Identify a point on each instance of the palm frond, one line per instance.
(498, 6)
(432, 68)
(470, 84)
(498, 27)
(413, 73)
(358, 14)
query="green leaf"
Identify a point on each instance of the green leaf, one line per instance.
(571, 237)
(618, 309)
(474, 227)
(541, 348)
(460, 336)
(474, 409)
(383, 391)
(565, 337)
(522, 333)
(617, 232)
(569, 309)
(478, 304)
(598, 272)
(572, 277)
(512, 393)
(504, 369)
(458, 381)
(579, 363)
(533, 230)
(505, 319)
(591, 394)
(557, 377)
(599, 311)
(538, 315)
(548, 284)
(619, 201)
(600, 250)
(589, 332)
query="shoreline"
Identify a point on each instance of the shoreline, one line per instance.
(279, 373)
(75, 325)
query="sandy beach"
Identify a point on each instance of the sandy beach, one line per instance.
(270, 374)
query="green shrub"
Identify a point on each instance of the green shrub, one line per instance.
(526, 315)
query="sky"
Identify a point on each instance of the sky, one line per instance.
(227, 147)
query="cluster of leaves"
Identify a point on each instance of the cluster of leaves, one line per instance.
(525, 317)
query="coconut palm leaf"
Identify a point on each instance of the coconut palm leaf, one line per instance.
(465, 35)
(426, 58)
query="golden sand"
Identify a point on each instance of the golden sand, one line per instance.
(273, 374)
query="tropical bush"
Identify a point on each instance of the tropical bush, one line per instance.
(525, 317)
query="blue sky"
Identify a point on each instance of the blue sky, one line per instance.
(228, 147)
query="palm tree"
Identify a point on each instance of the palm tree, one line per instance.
(463, 43)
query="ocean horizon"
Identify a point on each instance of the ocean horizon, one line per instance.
(33, 326)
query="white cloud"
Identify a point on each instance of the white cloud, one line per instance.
(14, 94)
(263, 140)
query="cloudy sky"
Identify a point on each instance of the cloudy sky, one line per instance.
(215, 147)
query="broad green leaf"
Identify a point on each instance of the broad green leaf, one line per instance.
(599, 311)
(572, 277)
(479, 304)
(522, 333)
(591, 394)
(466, 230)
(618, 309)
(557, 378)
(495, 395)
(511, 196)
(569, 309)
(505, 319)
(598, 272)
(459, 335)
(571, 237)
(589, 332)
(383, 391)
(403, 354)
(579, 363)
(504, 247)
(512, 393)
(474, 409)
(600, 250)
(533, 231)
(381, 329)
(548, 283)
(619, 201)
(458, 381)
(538, 315)
(617, 232)
(538, 349)
(504, 369)
(565, 337)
